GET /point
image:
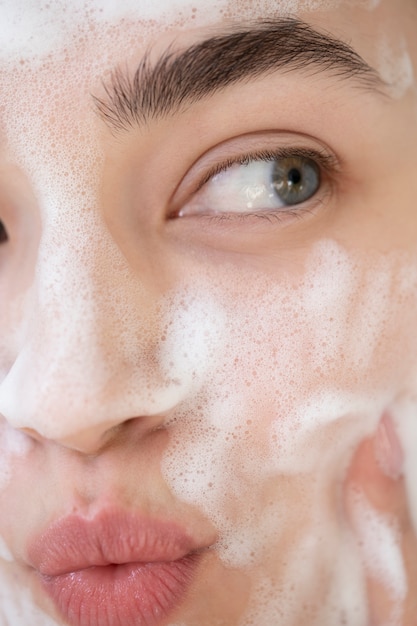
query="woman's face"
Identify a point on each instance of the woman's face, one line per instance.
(208, 297)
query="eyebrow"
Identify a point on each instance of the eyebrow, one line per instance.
(178, 78)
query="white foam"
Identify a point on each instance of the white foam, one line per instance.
(395, 65)
(405, 413)
(13, 446)
(380, 542)
(5, 553)
(267, 392)
(302, 400)
(35, 28)
(17, 607)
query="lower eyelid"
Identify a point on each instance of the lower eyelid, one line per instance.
(277, 217)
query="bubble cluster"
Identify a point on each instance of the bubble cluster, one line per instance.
(301, 375)
(17, 607)
(14, 445)
(380, 541)
(267, 389)
(395, 65)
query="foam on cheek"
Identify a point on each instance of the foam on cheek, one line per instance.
(191, 341)
(405, 413)
(13, 446)
(380, 541)
(5, 553)
(17, 606)
(300, 375)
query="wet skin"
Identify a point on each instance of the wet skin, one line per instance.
(148, 323)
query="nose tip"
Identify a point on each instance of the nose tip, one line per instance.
(85, 418)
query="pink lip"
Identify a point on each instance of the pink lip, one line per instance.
(117, 569)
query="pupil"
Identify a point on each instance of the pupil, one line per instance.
(294, 176)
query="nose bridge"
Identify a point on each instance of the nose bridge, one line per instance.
(90, 337)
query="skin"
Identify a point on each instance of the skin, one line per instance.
(76, 442)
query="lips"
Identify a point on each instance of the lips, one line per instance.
(117, 569)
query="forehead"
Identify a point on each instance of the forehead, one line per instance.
(36, 27)
(65, 49)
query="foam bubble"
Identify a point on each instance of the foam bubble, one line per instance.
(395, 65)
(36, 28)
(311, 378)
(294, 375)
(16, 602)
(380, 541)
(14, 445)
(5, 553)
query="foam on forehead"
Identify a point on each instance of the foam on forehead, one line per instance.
(37, 27)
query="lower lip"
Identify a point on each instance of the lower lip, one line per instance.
(143, 594)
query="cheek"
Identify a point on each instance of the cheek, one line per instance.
(17, 604)
(14, 448)
(297, 375)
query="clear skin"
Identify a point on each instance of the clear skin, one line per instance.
(80, 452)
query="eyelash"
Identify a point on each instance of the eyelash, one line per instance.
(269, 216)
(327, 163)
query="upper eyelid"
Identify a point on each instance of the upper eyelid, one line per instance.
(326, 161)
(234, 148)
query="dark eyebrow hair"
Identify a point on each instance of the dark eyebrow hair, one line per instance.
(185, 77)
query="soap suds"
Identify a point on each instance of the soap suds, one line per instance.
(34, 30)
(380, 541)
(268, 393)
(17, 606)
(14, 445)
(395, 65)
(302, 400)
(5, 553)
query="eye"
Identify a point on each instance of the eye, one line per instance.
(3, 233)
(260, 183)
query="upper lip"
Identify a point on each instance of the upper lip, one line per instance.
(112, 536)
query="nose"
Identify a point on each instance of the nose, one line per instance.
(88, 355)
